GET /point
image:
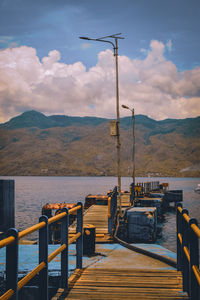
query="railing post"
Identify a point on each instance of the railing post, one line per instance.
(178, 231)
(115, 197)
(132, 194)
(194, 260)
(43, 257)
(64, 253)
(110, 216)
(79, 241)
(12, 263)
(114, 201)
(113, 208)
(185, 234)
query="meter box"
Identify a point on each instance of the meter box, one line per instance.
(113, 128)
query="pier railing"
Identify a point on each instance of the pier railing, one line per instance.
(142, 188)
(13, 286)
(188, 236)
(112, 209)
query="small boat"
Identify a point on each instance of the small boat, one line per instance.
(197, 190)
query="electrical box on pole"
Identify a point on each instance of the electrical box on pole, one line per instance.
(113, 128)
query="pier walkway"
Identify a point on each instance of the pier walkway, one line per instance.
(96, 215)
(126, 284)
(99, 215)
(124, 274)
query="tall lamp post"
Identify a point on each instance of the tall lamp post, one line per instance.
(116, 37)
(133, 124)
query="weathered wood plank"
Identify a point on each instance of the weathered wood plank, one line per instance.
(125, 284)
(96, 215)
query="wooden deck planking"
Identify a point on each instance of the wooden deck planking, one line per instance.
(96, 215)
(124, 284)
(125, 199)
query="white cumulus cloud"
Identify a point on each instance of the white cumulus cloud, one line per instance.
(153, 85)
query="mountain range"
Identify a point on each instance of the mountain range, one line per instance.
(58, 145)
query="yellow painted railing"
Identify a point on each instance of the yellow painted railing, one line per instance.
(112, 209)
(188, 235)
(11, 242)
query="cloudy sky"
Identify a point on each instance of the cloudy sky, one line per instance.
(46, 67)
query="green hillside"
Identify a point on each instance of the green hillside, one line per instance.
(34, 144)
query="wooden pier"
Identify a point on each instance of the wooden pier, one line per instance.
(126, 284)
(96, 215)
(114, 270)
(125, 200)
(124, 274)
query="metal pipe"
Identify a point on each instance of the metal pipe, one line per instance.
(118, 131)
(133, 147)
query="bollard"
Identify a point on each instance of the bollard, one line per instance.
(89, 240)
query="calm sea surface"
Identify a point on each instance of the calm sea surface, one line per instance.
(31, 193)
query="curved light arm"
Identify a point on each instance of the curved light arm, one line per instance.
(126, 107)
(98, 40)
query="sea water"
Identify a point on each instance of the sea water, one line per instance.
(31, 193)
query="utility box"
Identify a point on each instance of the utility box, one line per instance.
(173, 196)
(7, 205)
(142, 224)
(152, 202)
(113, 128)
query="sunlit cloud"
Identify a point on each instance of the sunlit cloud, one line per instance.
(153, 85)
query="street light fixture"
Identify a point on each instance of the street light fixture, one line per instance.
(133, 124)
(116, 37)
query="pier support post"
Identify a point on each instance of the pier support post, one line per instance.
(12, 263)
(7, 204)
(132, 193)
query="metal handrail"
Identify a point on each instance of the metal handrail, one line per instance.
(188, 235)
(12, 241)
(196, 230)
(194, 227)
(30, 275)
(31, 229)
(7, 241)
